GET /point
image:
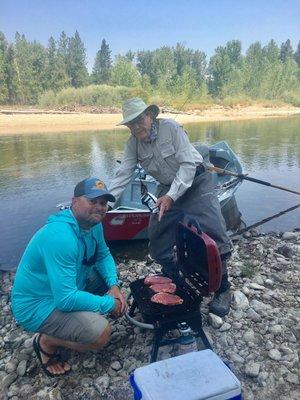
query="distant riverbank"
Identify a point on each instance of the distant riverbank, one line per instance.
(14, 121)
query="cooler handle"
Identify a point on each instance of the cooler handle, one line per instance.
(136, 391)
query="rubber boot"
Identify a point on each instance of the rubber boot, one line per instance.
(220, 304)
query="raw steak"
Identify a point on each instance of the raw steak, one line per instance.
(167, 299)
(153, 279)
(163, 288)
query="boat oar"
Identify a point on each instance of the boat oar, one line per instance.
(248, 178)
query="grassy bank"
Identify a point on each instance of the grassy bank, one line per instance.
(113, 96)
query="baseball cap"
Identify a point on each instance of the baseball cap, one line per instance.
(92, 188)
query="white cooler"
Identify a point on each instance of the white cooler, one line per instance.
(193, 376)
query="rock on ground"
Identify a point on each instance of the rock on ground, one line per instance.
(258, 338)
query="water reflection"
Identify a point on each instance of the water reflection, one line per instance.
(39, 171)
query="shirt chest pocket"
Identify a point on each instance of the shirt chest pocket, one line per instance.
(145, 158)
(167, 149)
(168, 154)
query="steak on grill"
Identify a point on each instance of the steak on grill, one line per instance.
(167, 299)
(153, 279)
(163, 288)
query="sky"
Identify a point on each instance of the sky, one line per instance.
(149, 24)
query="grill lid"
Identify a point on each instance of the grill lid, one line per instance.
(198, 258)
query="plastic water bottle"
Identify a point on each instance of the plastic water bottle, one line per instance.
(187, 341)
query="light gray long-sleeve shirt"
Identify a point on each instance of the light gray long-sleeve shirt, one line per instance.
(170, 158)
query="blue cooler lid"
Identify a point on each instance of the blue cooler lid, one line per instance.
(193, 376)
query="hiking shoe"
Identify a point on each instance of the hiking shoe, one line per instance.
(220, 304)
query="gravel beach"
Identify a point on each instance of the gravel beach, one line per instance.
(259, 338)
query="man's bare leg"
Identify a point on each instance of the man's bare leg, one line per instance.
(50, 344)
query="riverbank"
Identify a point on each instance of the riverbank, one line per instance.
(39, 121)
(258, 338)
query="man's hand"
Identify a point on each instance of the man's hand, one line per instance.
(121, 305)
(164, 203)
(117, 311)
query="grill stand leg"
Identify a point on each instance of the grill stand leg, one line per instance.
(158, 335)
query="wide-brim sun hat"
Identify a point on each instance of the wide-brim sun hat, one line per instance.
(132, 108)
(93, 188)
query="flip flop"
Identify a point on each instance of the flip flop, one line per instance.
(54, 358)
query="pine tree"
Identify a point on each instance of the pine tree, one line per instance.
(55, 70)
(21, 65)
(63, 55)
(31, 58)
(286, 51)
(3, 83)
(103, 64)
(12, 76)
(77, 70)
(297, 55)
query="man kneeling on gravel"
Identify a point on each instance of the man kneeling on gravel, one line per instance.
(67, 280)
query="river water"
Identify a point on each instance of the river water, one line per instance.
(39, 171)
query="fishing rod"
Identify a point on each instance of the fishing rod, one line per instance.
(249, 178)
(263, 221)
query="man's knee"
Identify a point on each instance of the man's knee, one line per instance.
(102, 340)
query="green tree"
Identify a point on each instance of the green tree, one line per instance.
(286, 51)
(165, 68)
(199, 64)
(297, 55)
(187, 84)
(31, 58)
(12, 76)
(219, 70)
(124, 73)
(145, 65)
(234, 49)
(255, 68)
(55, 71)
(77, 70)
(182, 58)
(63, 54)
(3, 82)
(103, 64)
(130, 55)
(271, 52)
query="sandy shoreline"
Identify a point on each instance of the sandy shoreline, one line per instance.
(76, 122)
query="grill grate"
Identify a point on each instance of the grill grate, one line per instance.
(142, 295)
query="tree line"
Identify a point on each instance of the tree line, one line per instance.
(29, 70)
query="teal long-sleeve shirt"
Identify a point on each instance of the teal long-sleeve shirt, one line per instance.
(51, 274)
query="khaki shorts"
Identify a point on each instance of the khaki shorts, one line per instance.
(78, 326)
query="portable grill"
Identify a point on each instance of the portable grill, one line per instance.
(199, 263)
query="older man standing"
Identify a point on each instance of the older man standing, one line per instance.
(67, 280)
(185, 188)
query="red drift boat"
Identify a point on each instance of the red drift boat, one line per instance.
(129, 218)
